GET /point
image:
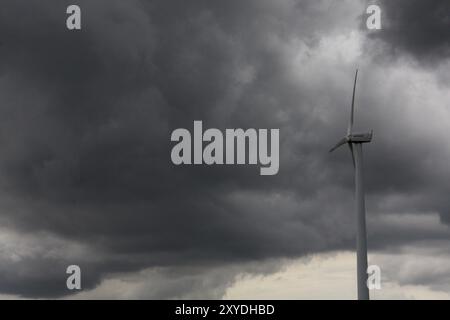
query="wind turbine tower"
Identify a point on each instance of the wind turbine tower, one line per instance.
(355, 142)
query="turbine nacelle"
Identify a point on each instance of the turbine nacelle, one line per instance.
(354, 138)
(360, 137)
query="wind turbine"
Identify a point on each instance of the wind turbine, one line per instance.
(355, 141)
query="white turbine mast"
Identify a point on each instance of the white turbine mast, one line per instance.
(355, 141)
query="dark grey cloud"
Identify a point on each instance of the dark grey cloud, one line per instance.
(420, 28)
(85, 123)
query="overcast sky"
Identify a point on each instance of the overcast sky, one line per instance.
(86, 117)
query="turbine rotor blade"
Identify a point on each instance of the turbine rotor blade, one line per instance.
(340, 143)
(352, 112)
(350, 145)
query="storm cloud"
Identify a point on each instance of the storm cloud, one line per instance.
(86, 117)
(418, 28)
